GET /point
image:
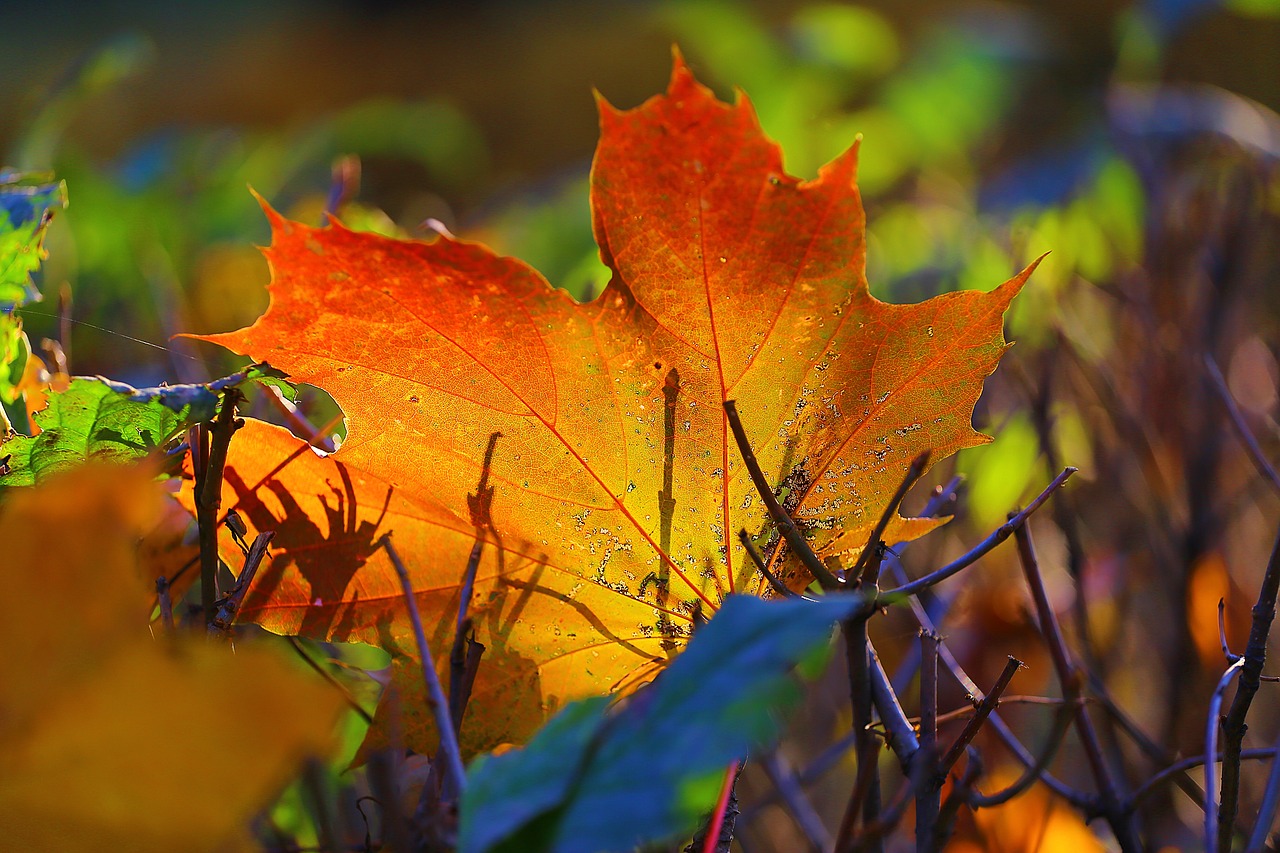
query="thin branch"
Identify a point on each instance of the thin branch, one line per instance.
(1173, 770)
(866, 569)
(1231, 656)
(1109, 785)
(329, 677)
(230, 605)
(997, 536)
(435, 694)
(1243, 432)
(1033, 772)
(1211, 816)
(775, 583)
(720, 826)
(985, 707)
(900, 736)
(799, 808)
(1234, 726)
(166, 604)
(209, 497)
(1266, 811)
(790, 532)
(1080, 800)
(865, 797)
(928, 792)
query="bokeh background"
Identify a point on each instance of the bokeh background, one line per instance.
(1136, 141)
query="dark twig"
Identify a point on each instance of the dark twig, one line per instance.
(900, 736)
(790, 532)
(1179, 767)
(230, 604)
(208, 497)
(984, 709)
(997, 536)
(1113, 797)
(959, 796)
(1246, 436)
(775, 583)
(1231, 656)
(865, 797)
(926, 776)
(1234, 726)
(166, 604)
(333, 682)
(1033, 772)
(798, 806)
(1266, 811)
(1211, 815)
(1078, 799)
(866, 569)
(435, 694)
(718, 833)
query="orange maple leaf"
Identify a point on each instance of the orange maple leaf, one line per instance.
(586, 444)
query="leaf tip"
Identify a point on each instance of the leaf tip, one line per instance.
(275, 219)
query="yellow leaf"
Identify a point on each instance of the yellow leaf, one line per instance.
(111, 739)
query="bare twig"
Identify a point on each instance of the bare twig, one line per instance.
(928, 791)
(230, 604)
(960, 795)
(1211, 816)
(997, 536)
(166, 604)
(1266, 811)
(1231, 656)
(1234, 726)
(435, 694)
(985, 707)
(790, 532)
(798, 806)
(865, 570)
(1243, 432)
(1033, 772)
(1173, 770)
(775, 583)
(333, 682)
(900, 736)
(719, 829)
(865, 797)
(208, 497)
(1109, 784)
(1084, 802)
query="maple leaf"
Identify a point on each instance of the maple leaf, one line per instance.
(586, 444)
(111, 739)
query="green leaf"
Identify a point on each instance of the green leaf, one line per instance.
(15, 349)
(645, 774)
(103, 420)
(25, 210)
(89, 420)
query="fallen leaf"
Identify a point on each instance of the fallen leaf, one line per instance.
(586, 444)
(111, 739)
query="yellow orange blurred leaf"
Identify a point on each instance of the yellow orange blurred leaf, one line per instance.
(111, 739)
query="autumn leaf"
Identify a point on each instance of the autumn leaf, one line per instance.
(585, 444)
(111, 739)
